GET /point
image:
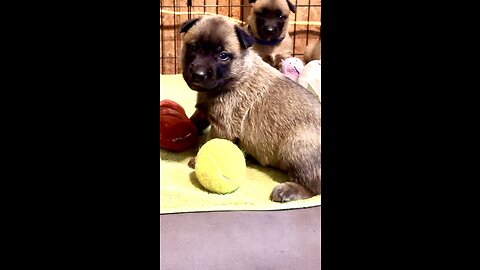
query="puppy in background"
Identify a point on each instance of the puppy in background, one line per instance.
(268, 24)
(245, 101)
(313, 52)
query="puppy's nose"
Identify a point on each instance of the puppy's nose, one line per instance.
(200, 73)
(269, 28)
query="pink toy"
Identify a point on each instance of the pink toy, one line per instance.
(292, 67)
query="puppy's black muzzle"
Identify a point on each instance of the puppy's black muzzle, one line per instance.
(269, 31)
(201, 76)
(199, 73)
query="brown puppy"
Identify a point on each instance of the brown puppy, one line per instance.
(270, 117)
(312, 52)
(268, 24)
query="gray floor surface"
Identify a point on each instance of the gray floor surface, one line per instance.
(287, 239)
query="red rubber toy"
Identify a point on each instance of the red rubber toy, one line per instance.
(177, 132)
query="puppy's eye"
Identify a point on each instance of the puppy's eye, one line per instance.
(223, 56)
(193, 47)
(282, 17)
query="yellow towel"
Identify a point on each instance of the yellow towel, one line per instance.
(180, 191)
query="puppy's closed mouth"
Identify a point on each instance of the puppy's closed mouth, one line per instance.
(202, 87)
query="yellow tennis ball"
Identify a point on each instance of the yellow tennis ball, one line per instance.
(220, 166)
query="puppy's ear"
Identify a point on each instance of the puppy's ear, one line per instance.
(246, 41)
(251, 1)
(188, 24)
(291, 6)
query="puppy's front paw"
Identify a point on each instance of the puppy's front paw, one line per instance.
(191, 163)
(289, 191)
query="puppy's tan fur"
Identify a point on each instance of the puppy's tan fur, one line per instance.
(312, 52)
(272, 54)
(269, 116)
